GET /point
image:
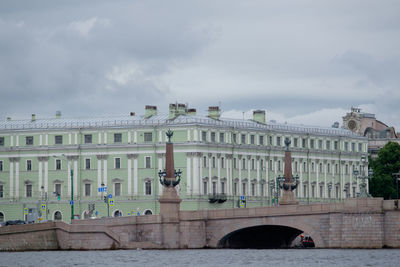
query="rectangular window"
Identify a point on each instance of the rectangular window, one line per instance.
(252, 139)
(1, 191)
(296, 167)
(117, 163)
(304, 190)
(148, 162)
(321, 190)
(58, 164)
(1, 166)
(253, 164)
(353, 147)
(279, 165)
(319, 144)
(336, 145)
(58, 139)
(204, 162)
(304, 143)
(243, 164)
(87, 164)
(117, 189)
(222, 163)
(212, 136)
(1, 141)
(29, 165)
(221, 138)
(329, 168)
(270, 140)
(328, 144)
(87, 190)
(117, 137)
(203, 136)
(243, 139)
(261, 140)
(253, 189)
(57, 189)
(214, 188)
(222, 188)
(235, 189)
(261, 164)
(312, 191)
(244, 188)
(28, 192)
(337, 191)
(213, 162)
(29, 140)
(88, 138)
(278, 141)
(234, 138)
(148, 137)
(359, 147)
(312, 143)
(346, 146)
(262, 189)
(148, 188)
(295, 142)
(205, 186)
(234, 163)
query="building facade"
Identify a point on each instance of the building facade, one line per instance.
(377, 132)
(45, 161)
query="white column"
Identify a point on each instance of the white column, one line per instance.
(69, 177)
(76, 177)
(209, 173)
(46, 140)
(228, 176)
(196, 174)
(341, 193)
(317, 183)
(129, 175)
(135, 175)
(46, 175)
(240, 175)
(40, 175)
(160, 136)
(129, 137)
(11, 140)
(219, 174)
(17, 178)
(201, 175)
(248, 176)
(135, 137)
(188, 172)
(258, 193)
(98, 173)
(100, 134)
(40, 139)
(301, 191)
(11, 178)
(196, 135)
(76, 138)
(325, 184)
(17, 140)
(69, 139)
(105, 137)
(105, 173)
(188, 135)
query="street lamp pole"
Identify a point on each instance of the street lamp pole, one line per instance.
(363, 177)
(396, 175)
(107, 201)
(72, 195)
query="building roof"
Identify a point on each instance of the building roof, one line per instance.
(163, 120)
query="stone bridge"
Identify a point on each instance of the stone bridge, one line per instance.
(355, 223)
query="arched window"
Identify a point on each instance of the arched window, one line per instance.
(147, 212)
(57, 216)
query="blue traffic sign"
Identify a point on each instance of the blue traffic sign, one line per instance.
(109, 196)
(71, 202)
(97, 213)
(102, 189)
(138, 213)
(242, 197)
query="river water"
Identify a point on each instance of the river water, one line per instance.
(207, 257)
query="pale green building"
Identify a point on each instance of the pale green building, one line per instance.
(221, 160)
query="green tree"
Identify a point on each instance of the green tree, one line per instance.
(388, 162)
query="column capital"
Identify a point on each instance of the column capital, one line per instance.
(218, 155)
(13, 159)
(72, 157)
(102, 156)
(134, 156)
(248, 156)
(239, 156)
(228, 156)
(189, 154)
(43, 158)
(257, 157)
(209, 155)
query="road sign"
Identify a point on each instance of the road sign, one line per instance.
(71, 202)
(138, 214)
(242, 203)
(96, 213)
(111, 202)
(43, 206)
(242, 197)
(102, 189)
(109, 196)
(129, 214)
(26, 211)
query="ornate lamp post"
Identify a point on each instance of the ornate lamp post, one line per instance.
(363, 177)
(272, 186)
(330, 190)
(106, 200)
(396, 176)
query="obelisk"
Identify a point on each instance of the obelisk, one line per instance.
(289, 184)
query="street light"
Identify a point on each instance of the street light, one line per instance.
(106, 200)
(363, 177)
(45, 200)
(72, 188)
(396, 176)
(271, 186)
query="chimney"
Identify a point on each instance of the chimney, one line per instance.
(8, 118)
(176, 109)
(214, 112)
(33, 117)
(150, 111)
(259, 116)
(191, 112)
(132, 114)
(58, 114)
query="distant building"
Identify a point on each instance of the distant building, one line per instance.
(220, 159)
(365, 124)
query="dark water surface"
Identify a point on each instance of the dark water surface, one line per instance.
(220, 257)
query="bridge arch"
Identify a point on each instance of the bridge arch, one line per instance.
(288, 229)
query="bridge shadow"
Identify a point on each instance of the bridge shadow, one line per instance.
(260, 237)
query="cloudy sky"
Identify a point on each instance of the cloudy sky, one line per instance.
(302, 61)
